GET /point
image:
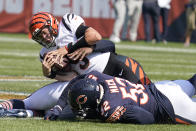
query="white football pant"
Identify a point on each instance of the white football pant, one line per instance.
(180, 93)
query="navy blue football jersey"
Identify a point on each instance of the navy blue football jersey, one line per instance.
(124, 101)
(127, 102)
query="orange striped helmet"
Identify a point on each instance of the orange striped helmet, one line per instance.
(39, 21)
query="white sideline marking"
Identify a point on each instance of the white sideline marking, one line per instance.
(22, 80)
(120, 46)
(14, 93)
(9, 39)
(147, 48)
(172, 66)
(12, 53)
(171, 73)
(14, 118)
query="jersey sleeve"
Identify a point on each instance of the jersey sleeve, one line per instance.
(104, 46)
(41, 54)
(136, 115)
(72, 22)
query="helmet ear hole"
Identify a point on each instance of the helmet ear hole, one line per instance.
(48, 22)
(83, 94)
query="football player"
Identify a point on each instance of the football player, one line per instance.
(70, 35)
(83, 49)
(113, 99)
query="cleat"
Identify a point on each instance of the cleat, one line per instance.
(2, 112)
(19, 113)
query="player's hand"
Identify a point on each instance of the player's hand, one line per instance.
(80, 53)
(53, 113)
(49, 59)
(61, 51)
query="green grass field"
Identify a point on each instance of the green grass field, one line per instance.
(20, 71)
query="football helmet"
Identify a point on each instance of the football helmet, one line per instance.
(40, 21)
(84, 96)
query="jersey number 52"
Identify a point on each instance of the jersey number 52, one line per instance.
(131, 93)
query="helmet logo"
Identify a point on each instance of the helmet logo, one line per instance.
(81, 99)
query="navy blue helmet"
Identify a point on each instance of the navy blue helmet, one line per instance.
(84, 95)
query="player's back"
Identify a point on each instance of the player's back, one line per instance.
(120, 93)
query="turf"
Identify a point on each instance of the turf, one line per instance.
(20, 71)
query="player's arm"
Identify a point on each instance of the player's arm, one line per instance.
(100, 46)
(137, 115)
(62, 103)
(90, 35)
(104, 46)
(87, 36)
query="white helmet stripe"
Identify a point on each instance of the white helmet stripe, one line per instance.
(50, 19)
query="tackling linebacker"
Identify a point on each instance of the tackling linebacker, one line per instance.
(113, 99)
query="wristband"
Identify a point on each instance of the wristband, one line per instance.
(80, 43)
(52, 75)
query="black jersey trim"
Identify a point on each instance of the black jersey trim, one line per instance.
(68, 17)
(66, 26)
(81, 31)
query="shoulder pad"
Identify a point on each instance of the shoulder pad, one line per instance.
(72, 21)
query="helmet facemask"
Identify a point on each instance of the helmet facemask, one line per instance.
(85, 98)
(87, 112)
(38, 38)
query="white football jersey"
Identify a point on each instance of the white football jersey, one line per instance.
(67, 31)
(66, 34)
(97, 61)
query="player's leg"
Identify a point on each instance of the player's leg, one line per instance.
(46, 97)
(120, 10)
(135, 67)
(117, 68)
(135, 10)
(147, 21)
(41, 100)
(179, 93)
(12, 104)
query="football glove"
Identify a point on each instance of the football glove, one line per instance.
(53, 113)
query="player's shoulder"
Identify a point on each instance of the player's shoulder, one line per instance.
(110, 111)
(98, 76)
(70, 17)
